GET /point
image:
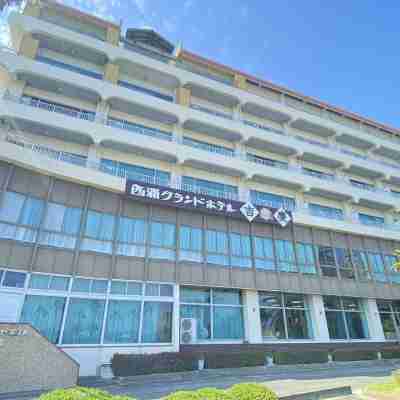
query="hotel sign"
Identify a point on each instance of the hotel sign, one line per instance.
(177, 198)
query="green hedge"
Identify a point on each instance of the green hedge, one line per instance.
(142, 364)
(354, 355)
(81, 393)
(310, 357)
(235, 360)
(389, 354)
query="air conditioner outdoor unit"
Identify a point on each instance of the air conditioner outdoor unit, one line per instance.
(188, 330)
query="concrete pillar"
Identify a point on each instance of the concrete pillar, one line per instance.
(113, 35)
(251, 317)
(111, 73)
(93, 157)
(28, 46)
(244, 191)
(183, 96)
(373, 319)
(318, 318)
(102, 111)
(240, 81)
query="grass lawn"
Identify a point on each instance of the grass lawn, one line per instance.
(389, 390)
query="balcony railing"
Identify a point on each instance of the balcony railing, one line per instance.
(211, 148)
(69, 67)
(363, 186)
(266, 161)
(209, 111)
(64, 156)
(208, 191)
(140, 129)
(52, 107)
(144, 90)
(318, 174)
(263, 127)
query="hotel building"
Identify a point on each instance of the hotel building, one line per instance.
(153, 200)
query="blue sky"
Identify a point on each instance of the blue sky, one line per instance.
(343, 52)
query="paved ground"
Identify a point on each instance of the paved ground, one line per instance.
(284, 382)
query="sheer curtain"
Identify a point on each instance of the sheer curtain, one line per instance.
(157, 322)
(123, 319)
(84, 321)
(99, 232)
(131, 237)
(45, 314)
(228, 322)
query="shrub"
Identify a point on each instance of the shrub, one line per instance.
(183, 395)
(310, 357)
(389, 354)
(81, 393)
(251, 391)
(141, 364)
(396, 376)
(354, 355)
(235, 360)
(213, 394)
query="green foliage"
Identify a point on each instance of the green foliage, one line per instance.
(183, 395)
(396, 376)
(251, 391)
(201, 394)
(81, 393)
(390, 354)
(397, 264)
(354, 355)
(303, 357)
(235, 359)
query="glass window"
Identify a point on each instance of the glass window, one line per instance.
(32, 212)
(285, 256)
(39, 281)
(377, 267)
(214, 189)
(217, 248)
(264, 253)
(98, 232)
(336, 325)
(45, 314)
(306, 258)
(371, 220)
(272, 200)
(388, 312)
(99, 286)
(284, 316)
(134, 289)
(343, 259)
(190, 244)
(218, 312)
(157, 322)
(11, 207)
(240, 250)
(14, 279)
(326, 260)
(131, 237)
(62, 219)
(162, 241)
(325, 212)
(166, 290)
(360, 261)
(123, 320)
(81, 285)
(152, 289)
(84, 321)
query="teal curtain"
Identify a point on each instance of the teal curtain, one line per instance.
(228, 322)
(131, 230)
(45, 314)
(157, 322)
(84, 321)
(11, 207)
(32, 212)
(123, 319)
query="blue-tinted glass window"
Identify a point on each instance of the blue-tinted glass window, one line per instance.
(264, 253)
(217, 247)
(240, 250)
(272, 200)
(285, 255)
(326, 212)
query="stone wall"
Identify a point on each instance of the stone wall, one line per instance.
(28, 361)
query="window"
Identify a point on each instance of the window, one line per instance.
(61, 226)
(285, 256)
(135, 172)
(209, 188)
(371, 220)
(94, 286)
(240, 250)
(326, 258)
(155, 289)
(345, 318)
(284, 316)
(264, 253)
(190, 244)
(162, 241)
(18, 209)
(377, 267)
(390, 261)
(306, 258)
(126, 288)
(84, 321)
(272, 200)
(343, 259)
(98, 232)
(218, 312)
(217, 247)
(325, 212)
(14, 279)
(45, 314)
(360, 261)
(389, 315)
(123, 320)
(49, 282)
(157, 322)
(131, 237)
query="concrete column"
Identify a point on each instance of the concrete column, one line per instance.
(251, 317)
(244, 191)
(240, 81)
(183, 96)
(102, 110)
(373, 319)
(113, 35)
(111, 73)
(93, 156)
(28, 46)
(318, 317)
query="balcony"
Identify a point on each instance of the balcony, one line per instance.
(144, 90)
(211, 112)
(266, 161)
(53, 107)
(69, 67)
(211, 148)
(318, 174)
(139, 129)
